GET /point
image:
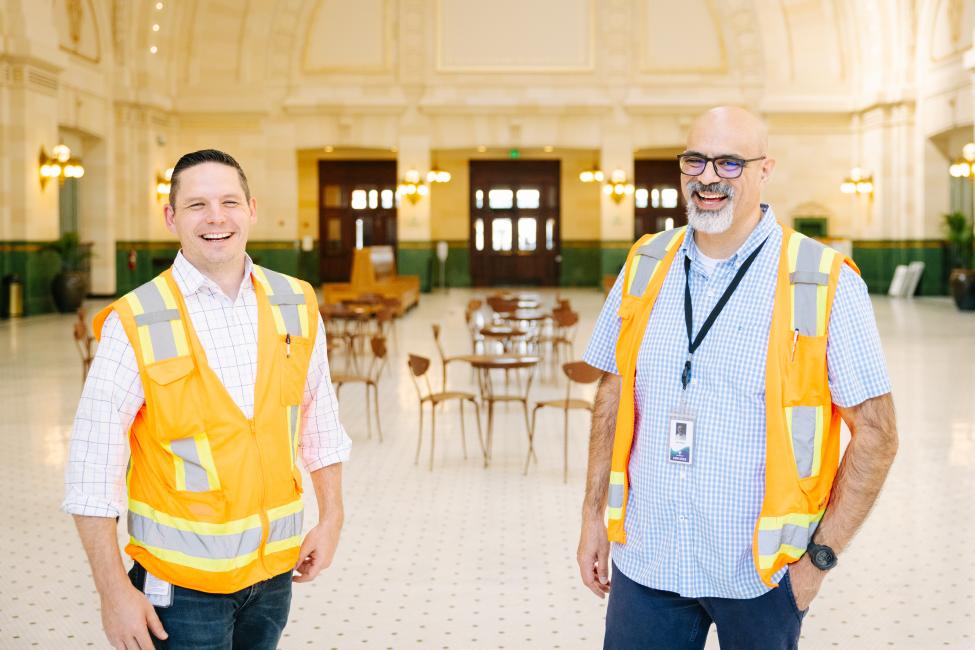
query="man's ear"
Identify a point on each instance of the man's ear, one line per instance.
(253, 207)
(768, 166)
(170, 215)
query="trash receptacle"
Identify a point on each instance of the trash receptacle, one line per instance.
(13, 291)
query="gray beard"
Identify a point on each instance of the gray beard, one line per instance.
(709, 221)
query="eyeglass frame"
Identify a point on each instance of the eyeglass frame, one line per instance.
(744, 163)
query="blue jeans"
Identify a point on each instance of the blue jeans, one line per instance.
(650, 619)
(250, 619)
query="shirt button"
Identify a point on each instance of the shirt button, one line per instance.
(683, 474)
(682, 518)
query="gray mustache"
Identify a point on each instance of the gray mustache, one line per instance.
(698, 186)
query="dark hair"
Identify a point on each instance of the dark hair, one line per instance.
(205, 156)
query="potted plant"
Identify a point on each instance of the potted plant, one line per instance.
(70, 286)
(962, 279)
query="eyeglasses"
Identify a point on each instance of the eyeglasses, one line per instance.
(725, 167)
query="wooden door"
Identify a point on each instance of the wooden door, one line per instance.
(515, 231)
(657, 197)
(356, 208)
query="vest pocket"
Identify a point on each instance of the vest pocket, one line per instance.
(172, 399)
(294, 373)
(805, 379)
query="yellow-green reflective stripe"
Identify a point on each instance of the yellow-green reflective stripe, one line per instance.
(282, 545)
(201, 564)
(286, 509)
(766, 561)
(198, 527)
(793, 518)
(615, 513)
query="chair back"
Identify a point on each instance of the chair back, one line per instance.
(436, 339)
(499, 304)
(579, 372)
(384, 320)
(565, 318)
(378, 344)
(418, 368)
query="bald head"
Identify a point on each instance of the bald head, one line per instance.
(730, 126)
(727, 152)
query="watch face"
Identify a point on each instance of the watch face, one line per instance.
(824, 558)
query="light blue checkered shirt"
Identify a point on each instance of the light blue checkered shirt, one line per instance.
(689, 528)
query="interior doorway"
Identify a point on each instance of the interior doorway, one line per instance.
(356, 208)
(515, 229)
(658, 204)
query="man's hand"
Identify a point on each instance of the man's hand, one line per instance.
(317, 550)
(806, 581)
(128, 617)
(593, 556)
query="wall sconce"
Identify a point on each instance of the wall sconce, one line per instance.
(618, 187)
(858, 182)
(164, 183)
(592, 175)
(964, 167)
(59, 165)
(412, 187)
(436, 175)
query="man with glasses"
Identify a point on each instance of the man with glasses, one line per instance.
(731, 351)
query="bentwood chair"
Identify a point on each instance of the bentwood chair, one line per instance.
(370, 380)
(578, 372)
(418, 369)
(85, 343)
(445, 360)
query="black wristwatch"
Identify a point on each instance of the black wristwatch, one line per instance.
(821, 556)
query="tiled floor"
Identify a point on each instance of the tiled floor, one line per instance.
(464, 557)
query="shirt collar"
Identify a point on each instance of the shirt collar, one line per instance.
(190, 280)
(755, 239)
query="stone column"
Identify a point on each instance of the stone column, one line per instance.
(616, 219)
(415, 255)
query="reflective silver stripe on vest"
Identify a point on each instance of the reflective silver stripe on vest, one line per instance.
(157, 317)
(615, 496)
(285, 527)
(154, 317)
(293, 422)
(211, 547)
(286, 299)
(196, 476)
(803, 427)
(655, 250)
(770, 541)
(807, 268)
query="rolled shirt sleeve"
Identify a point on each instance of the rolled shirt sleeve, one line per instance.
(323, 439)
(99, 450)
(857, 368)
(601, 352)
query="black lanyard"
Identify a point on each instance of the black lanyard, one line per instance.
(694, 343)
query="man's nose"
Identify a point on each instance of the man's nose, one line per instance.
(710, 174)
(215, 213)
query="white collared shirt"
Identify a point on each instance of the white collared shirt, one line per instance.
(113, 393)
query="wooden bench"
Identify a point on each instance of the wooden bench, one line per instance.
(374, 272)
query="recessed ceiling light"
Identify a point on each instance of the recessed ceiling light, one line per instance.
(481, 148)
(155, 28)
(153, 49)
(329, 148)
(549, 148)
(159, 6)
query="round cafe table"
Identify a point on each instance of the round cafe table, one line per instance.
(484, 364)
(505, 334)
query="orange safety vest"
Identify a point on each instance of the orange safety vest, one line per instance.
(214, 497)
(802, 426)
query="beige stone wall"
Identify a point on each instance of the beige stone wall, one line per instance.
(882, 85)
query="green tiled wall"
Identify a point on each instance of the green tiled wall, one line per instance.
(417, 258)
(581, 262)
(155, 257)
(877, 260)
(36, 269)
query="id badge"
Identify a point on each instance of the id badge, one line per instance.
(681, 437)
(158, 591)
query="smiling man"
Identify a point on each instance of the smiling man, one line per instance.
(732, 349)
(209, 383)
